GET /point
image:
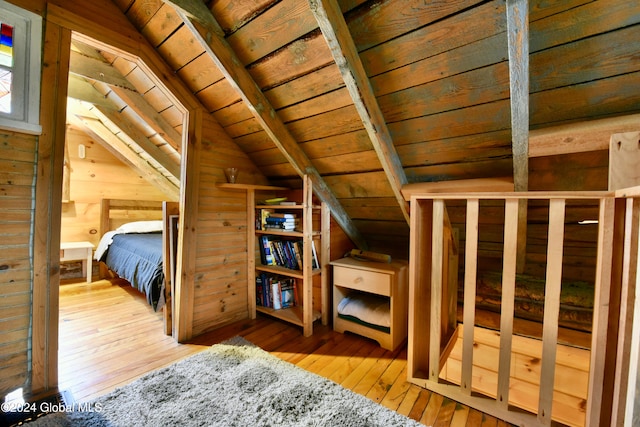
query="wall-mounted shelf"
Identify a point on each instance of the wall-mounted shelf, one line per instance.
(252, 187)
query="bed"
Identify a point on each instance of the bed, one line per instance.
(138, 245)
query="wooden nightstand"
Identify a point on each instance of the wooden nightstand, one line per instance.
(389, 280)
(73, 251)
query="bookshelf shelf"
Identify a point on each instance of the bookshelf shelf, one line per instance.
(316, 233)
(297, 274)
(292, 315)
(310, 239)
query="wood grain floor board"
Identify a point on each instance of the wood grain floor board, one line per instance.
(397, 391)
(109, 337)
(431, 411)
(388, 378)
(415, 407)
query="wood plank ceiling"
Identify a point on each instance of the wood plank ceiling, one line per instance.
(367, 96)
(137, 124)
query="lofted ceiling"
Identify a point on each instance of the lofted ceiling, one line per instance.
(117, 104)
(366, 97)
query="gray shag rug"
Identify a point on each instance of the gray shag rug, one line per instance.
(234, 383)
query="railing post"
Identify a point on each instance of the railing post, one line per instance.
(624, 376)
(600, 311)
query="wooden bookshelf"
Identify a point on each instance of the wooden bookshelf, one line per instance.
(309, 214)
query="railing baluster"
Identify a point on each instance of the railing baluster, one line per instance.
(470, 273)
(553, 285)
(508, 299)
(437, 260)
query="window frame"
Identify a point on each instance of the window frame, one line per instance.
(26, 71)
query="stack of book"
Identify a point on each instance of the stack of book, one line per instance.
(276, 292)
(276, 221)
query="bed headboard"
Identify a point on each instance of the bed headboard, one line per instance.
(115, 212)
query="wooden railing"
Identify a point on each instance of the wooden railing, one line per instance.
(614, 294)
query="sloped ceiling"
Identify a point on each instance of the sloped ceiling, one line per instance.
(368, 96)
(136, 123)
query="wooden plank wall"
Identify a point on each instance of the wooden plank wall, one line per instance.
(17, 163)
(220, 285)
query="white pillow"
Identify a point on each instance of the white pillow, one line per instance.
(369, 308)
(141, 227)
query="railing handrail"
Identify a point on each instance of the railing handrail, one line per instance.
(532, 195)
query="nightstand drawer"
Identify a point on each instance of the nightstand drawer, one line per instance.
(362, 280)
(73, 254)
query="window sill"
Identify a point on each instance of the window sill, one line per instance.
(19, 126)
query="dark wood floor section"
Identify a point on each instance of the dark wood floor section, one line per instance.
(109, 337)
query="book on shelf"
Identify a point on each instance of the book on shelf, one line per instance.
(287, 294)
(276, 292)
(259, 291)
(280, 227)
(297, 250)
(276, 295)
(291, 256)
(280, 220)
(296, 297)
(266, 252)
(261, 217)
(284, 215)
(315, 263)
(276, 254)
(263, 290)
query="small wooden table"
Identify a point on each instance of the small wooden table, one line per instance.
(73, 251)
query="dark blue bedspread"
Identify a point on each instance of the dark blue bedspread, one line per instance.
(137, 258)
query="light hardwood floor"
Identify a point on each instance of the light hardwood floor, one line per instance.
(109, 337)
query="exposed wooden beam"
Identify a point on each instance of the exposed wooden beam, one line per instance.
(137, 103)
(227, 61)
(143, 116)
(128, 132)
(82, 90)
(85, 49)
(344, 51)
(107, 112)
(149, 62)
(98, 131)
(115, 85)
(518, 42)
(580, 137)
(94, 69)
(518, 37)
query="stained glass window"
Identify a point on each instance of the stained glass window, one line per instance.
(6, 66)
(6, 45)
(20, 68)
